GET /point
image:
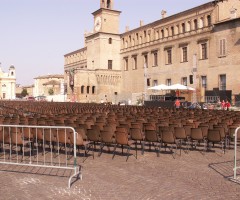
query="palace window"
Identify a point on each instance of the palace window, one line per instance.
(172, 31)
(134, 63)
(145, 34)
(155, 58)
(168, 82)
(155, 82)
(204, 51)
(162, 33)
(110, 63)
(145, 61)
(110, 41)
(222, 47)
(148, 82)
(126, 64)
(222, 82)
(204, 82)
(209, 20)
(93, 89)
(82, 89)
(88, 89)
(183, 28)
(195, 24)
(184, 81)
(168, 56)
(184, 54)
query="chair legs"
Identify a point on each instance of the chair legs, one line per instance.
(128, 150)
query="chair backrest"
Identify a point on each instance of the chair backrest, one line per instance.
(136, 134)
(151, 136)
(100, 124)
(167, 137)
(231, 132)
(82, 132)
(136, 125)
(62, 135)
(107, 136)
(221, 130)
(196, 134)
(187, 129)
(4, 135)
(27, 132)
(121, 137)
(93, 135)
(204, 130)
(180, 133)
(149, 126)
(213, 135)
(122, 129)
(79, 139)
(16, 136)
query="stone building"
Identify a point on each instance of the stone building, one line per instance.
(198, 47)
(48, 85)
(28, 88)
(7, 83)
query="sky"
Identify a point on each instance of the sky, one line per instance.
(36, 34)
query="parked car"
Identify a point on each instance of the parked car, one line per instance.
(29, 98)
(41, 98)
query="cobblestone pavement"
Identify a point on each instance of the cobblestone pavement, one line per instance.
(194, 175)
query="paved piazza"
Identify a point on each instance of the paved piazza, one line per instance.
(189, 176)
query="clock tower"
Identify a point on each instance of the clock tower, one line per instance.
(106, 19)
(103, 53)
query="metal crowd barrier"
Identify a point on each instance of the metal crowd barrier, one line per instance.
(40, 146)
(235, 177)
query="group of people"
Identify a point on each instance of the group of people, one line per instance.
(225, 105)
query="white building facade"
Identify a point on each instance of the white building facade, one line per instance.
(8, 83)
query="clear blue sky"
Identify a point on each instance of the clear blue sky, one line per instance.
(35, 34)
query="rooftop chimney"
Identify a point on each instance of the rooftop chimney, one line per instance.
(141, 23)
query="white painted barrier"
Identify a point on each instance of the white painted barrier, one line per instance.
(40, 146)
(235, 177)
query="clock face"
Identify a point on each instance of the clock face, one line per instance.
(97, 23)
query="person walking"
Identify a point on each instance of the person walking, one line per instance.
(223, 104)
(177, 103)
(227, 105)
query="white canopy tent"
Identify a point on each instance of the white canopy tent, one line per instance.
(159, 87)
(179, 87)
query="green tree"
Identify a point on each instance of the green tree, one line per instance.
(50, 91)
(24, 92)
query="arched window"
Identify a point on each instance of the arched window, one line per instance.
(209, 20)
(108, 3)
(93, 89)
(183, 28)
(195, 24)
(172, 31)
(189, 26)
(162, 33)
(82, 89)
(109, 40)
(12, 74)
